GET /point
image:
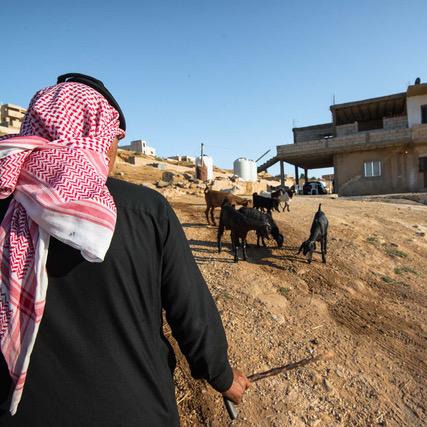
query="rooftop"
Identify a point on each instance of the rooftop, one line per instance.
(369, 109)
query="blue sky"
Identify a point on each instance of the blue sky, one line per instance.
(234, 74)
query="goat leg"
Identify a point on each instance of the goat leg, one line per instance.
(326, 242)
(219, 236)
(219, 243)
(263, 242)
(235, 245)
(212, 215)
(207, 214)
(323, 249)
(236, 256)
(245, 255)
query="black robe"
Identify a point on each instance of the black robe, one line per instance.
(100, 357)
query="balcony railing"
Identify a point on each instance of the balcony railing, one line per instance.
(360, 140)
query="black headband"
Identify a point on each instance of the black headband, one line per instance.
(99, 87)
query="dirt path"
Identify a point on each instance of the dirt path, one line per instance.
(368, 305)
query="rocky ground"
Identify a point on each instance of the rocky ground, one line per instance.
(367, 305)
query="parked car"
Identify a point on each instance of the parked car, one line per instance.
(314, 187)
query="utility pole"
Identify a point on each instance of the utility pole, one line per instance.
(201, 152)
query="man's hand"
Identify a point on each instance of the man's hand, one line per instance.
(238, 388)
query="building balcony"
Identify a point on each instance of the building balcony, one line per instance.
(319, 152)
(359, 141)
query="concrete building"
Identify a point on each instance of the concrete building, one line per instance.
(141, 147)
(376, 146)
(11, 117)
(183, 158)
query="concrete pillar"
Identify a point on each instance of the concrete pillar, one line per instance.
(296, 175)
(305, 175)
(282, 174)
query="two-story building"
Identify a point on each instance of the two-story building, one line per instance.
(140, 146)
(11, 117)
(376, 146)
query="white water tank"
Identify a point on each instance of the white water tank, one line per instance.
(245, 169)
(208, 162)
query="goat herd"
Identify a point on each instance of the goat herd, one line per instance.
(260, 219)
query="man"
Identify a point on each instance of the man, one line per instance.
(115, 256)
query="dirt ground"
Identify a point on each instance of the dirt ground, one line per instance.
(367, 305)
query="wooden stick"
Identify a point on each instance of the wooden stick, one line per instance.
(231, 409)
(275, 371)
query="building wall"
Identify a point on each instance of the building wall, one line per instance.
(399, 171)
(311, 133)
(183, 158)
(137, 145)
(8, 130)
(397, 122)
(148, 151)
(413, 105)
(11, 117)
(349, 129)
(140, 146)
(422, 152)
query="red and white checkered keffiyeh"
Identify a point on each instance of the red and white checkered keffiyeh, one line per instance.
(56, 169)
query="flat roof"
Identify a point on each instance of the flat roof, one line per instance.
(370, 100)
(416, 90)
(369, 109)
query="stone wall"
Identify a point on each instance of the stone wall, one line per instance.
(349, 129)
(395, 122)
(311, 133)
(135, 160)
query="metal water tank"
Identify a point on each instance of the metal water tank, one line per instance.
(245, 169)
(208, 163)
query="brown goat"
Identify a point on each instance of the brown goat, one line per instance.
(214, 199)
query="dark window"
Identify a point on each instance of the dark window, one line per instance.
(423, 113)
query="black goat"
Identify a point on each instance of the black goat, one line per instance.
(240, 225)
(318, 233)
(266, 203)
(263, 217)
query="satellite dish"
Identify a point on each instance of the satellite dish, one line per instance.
(417, 81)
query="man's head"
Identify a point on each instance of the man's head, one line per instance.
(97, 85)
(77, 116)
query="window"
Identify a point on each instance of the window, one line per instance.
(423, 113)
(372, 168)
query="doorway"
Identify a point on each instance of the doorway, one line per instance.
(423, 169)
